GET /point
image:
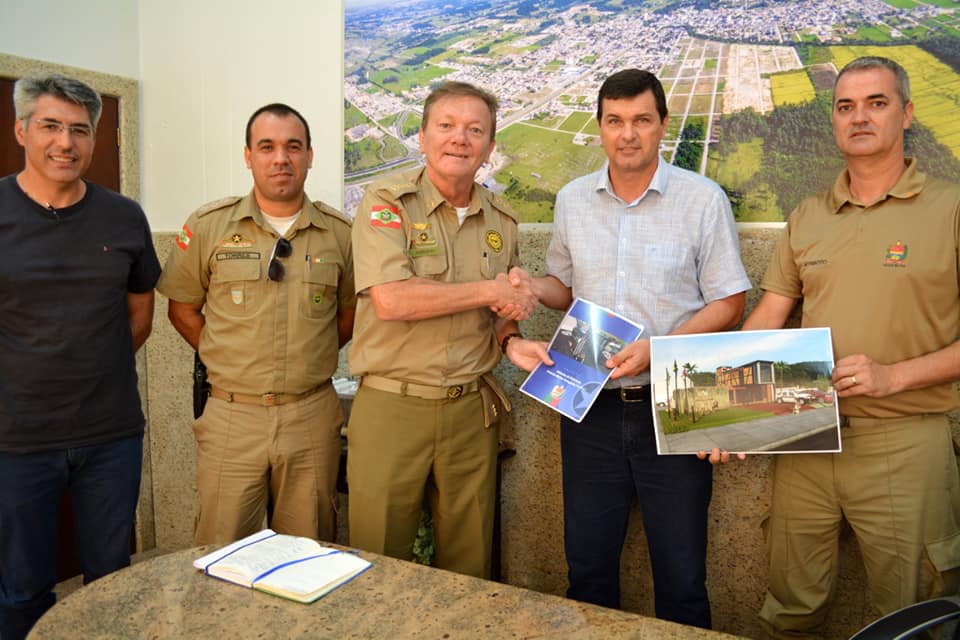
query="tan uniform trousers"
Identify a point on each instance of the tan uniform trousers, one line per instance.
(246, 453)
(896, 483)
(401, 447)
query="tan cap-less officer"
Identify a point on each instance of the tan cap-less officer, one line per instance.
(263, 286)
(433, 251)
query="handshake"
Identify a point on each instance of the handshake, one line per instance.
(514, 294)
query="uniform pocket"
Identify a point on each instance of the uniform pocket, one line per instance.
(319, 289)
(239, 282)
(432, 267)
(492, 263)
(940, 569)
(663, 267)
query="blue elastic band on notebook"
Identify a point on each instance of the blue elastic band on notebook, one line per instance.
(206, 569)
(287, 564)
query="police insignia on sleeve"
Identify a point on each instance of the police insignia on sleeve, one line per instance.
(183, 238)
(384, 216)
(494, 240)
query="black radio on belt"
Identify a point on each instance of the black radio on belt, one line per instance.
(201, 388)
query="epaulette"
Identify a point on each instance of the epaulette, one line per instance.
(500, 204)
(222, 203)
(330, 211)
(398, 189)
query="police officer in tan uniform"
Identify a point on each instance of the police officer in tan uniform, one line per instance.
(433, 250)
(875, 259)
(262, 286)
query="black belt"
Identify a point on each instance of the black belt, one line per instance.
(640, 393)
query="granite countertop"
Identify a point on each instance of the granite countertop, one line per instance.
(165, 597)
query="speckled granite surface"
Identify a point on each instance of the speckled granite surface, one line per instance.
(166, 597)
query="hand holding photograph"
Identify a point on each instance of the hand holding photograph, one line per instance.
(744, 392)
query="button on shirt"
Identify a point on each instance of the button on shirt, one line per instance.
(656, 260)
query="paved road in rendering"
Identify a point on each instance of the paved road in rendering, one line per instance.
(763, 434)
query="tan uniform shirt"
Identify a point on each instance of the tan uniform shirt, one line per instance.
(404, 228)
(884, 278)
(263, 336)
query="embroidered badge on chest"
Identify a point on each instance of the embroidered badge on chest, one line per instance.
(494, 240)
(896, 255)
(236, 241)
(423, 241)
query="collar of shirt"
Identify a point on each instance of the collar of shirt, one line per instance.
(432, 197)
(910, 183)
(248, 208)
(658, 183)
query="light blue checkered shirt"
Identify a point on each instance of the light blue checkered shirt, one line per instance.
(657, 260)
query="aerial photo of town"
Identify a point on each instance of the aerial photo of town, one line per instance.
(747, 82)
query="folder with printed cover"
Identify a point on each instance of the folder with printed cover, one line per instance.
(291, 567)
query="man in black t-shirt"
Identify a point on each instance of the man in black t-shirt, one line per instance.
(77, 271)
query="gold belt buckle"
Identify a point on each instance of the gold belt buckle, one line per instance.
(455, 391)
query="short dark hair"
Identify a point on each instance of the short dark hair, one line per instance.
(454, 89)
(878, 62)
(29, 89)
(277, 109)
(628, 84)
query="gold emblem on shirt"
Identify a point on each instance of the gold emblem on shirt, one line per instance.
(494, 240)
(423, 242)
(236, 240)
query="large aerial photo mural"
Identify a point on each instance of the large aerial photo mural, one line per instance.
(747, 82)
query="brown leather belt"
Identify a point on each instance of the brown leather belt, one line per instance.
(629, 395)
(424, 391)
(264, 400)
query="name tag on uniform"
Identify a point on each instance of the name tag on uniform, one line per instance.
(239, 255)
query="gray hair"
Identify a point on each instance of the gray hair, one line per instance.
(877, 62)
(29, 89)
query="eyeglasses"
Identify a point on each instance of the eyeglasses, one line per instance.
(280, 250)
(55, 127)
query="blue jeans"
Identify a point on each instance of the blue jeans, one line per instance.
(607, 459)
(104, 484)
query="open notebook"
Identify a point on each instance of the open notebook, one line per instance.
(291, 567)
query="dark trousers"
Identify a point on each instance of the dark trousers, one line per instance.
(104, 484)
(607, 459)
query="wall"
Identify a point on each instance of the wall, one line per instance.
(99, 35)
(205, 67)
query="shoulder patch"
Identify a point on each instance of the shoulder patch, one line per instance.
(501, 205)
(222, 203)
(330, 211)
(398, 189)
